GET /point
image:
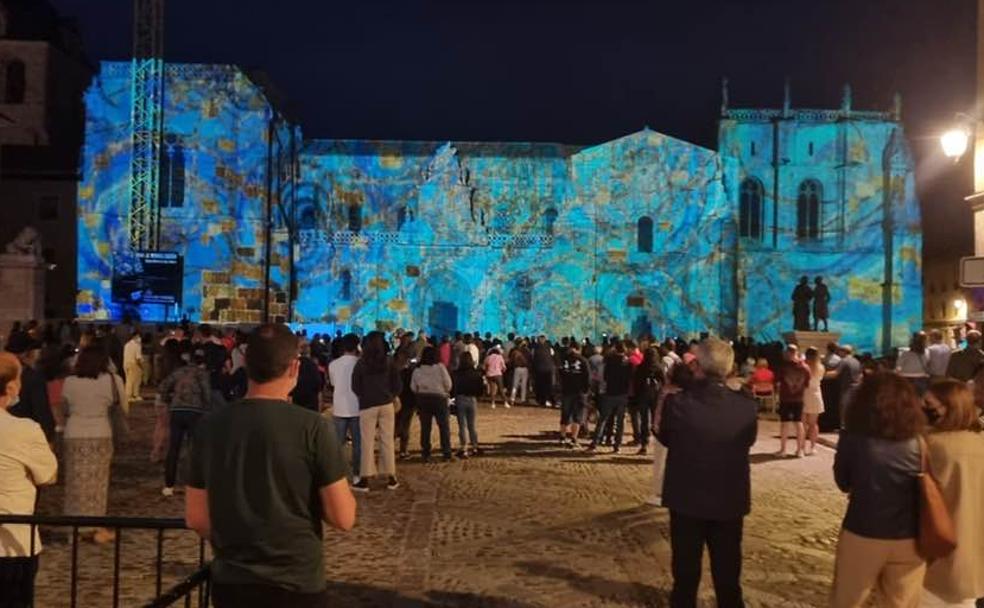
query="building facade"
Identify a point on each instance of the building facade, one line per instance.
(43, 76)
(645, 234)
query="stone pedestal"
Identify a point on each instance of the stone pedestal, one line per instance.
(21, 288)
(817, 339)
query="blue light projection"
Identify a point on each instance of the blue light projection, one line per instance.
(638, 235)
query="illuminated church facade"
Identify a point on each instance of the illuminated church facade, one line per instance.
(645, 234)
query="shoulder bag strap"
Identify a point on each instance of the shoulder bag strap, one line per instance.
(923, 456)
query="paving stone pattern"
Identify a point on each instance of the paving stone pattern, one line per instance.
(529, 524)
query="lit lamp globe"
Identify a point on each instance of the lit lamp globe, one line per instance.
(960, 305)
(955, 142)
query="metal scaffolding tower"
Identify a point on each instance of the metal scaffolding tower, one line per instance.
(146, 122)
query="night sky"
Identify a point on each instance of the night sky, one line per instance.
(585, 72)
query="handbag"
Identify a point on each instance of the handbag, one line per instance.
(937, 534)
(117, 415)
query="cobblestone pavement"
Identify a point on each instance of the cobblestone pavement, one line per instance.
(529, 524)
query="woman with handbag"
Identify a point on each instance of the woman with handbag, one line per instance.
(93, 404)
(878, 464)
(956, 461)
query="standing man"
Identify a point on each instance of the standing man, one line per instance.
(574, 385)
(791, 382)
(708, 431)
(266, 530)
(33, 401)
(345, 404)
(939, 356)
(965, 363)
(801, 305)
(133, 364)
(821, 304)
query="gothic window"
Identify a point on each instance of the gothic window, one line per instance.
(401, 217)
(15, 82)
(549, 219)
(644, 235)
(750, 210)
(346, 280)
(355, 217)
(808, 210)
(171, 179)
(524, 292)
(753, 148)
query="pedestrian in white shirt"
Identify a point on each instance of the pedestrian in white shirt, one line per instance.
(133, 363)
(939, 356)
(345, 403)
(26, 461)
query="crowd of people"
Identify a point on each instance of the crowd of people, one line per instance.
(693, 405)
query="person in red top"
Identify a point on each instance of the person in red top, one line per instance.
(762, 379)
(792, 381)
(444, 352)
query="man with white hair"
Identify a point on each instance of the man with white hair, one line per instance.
(708, 431)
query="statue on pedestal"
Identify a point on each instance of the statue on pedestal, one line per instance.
(27, 242)
(802, 296)
(821, 304)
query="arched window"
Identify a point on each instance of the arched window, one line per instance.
(644, 234)
(172, 173)
(524, 292)
(355, 217)
(750, 209)
(808, 210)
(346, 280)
(549, 219)
(401, 217)
(15, 82)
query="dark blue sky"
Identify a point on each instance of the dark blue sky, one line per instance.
(583, 72)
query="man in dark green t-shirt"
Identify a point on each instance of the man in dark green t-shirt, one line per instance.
(264, 475)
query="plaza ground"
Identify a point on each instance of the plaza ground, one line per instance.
(529, 524)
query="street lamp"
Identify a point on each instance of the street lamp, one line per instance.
(955, 142)
(961, 308)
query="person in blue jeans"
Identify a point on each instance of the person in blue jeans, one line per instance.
(611, 408)
(345, 403)
(467, 388)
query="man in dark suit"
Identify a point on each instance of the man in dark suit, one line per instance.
(708, 430)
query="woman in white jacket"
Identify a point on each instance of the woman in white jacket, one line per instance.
(956, 460)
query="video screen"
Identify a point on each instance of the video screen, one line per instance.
(148, 277)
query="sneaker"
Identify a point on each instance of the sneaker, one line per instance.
(506, 405)
(462, 454)
(592, 447)
(780, 454)
(392, 484)
(168, 491)
(476, 451)
(573, 445)
(404, 456)
(493, 406)
(799, 454)
(361, 486)
(615, 450)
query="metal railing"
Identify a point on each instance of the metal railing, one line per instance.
(198, 582)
